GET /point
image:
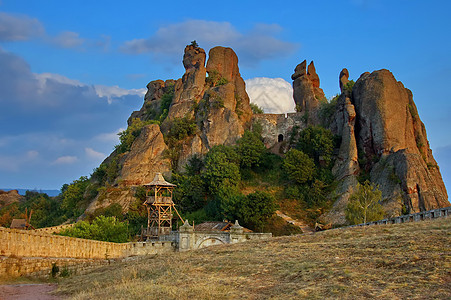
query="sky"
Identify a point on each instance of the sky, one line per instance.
(71, 72)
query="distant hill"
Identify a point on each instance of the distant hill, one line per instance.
(51, 193)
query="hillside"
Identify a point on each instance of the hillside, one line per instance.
(403, 261)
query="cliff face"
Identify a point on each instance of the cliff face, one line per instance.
(383, 136)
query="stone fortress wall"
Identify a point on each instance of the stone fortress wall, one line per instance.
(24, 252)
(276, 128)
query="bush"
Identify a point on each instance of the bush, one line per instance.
(256, 109)
(364, 204)
(221, 168)
(107, 229)
(251, 149)
(128, 136)
(317, 142)
(181, 128)
(299, 166)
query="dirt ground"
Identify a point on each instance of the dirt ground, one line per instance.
(28, 292)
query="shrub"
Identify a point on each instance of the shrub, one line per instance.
(251, 149)
(128, 136)
(299, 166)
(181, 128)
(256, 109)
(364, 204)
(317, 142)
(107, 229)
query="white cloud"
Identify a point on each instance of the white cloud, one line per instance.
(67, 39)
(13, 163)
(274, 95)
(91, 153)
(19, 27)
(65, 160)
(253, 46)
(112, 92)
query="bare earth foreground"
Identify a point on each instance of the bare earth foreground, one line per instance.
(404, 261)
(27, 292)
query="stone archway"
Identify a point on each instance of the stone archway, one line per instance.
(209, 241)
(280, 138)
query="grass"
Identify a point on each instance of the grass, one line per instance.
(400, 261)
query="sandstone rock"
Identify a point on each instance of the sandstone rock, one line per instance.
(9, 197)
(306, 91)
(343, 78)
(146, 157)
(190, 88)
(390, 131)
(346, 168)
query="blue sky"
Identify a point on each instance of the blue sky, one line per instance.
(71, 72)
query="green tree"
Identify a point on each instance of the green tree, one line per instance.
(256, 209)
(299, 166)
(72, 198)
(103, 228)
(221, 168)
(256, 109)
(364, 204)
(251, 149)
(317, 142)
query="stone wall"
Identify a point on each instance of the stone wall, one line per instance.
(189, 239)
(424, 215)
(54, 229)
(277, 127)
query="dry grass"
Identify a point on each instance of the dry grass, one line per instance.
(404, 261)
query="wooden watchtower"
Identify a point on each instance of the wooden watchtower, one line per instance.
(160, 207)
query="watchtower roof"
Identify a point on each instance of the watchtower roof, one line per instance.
(159, 181)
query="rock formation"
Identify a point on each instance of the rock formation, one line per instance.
(306, 91)
(218, 105)
(343, 78)
(380, 122)
(382, 136)
(9, 197)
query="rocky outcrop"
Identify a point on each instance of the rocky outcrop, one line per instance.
(190, 88)
(9, 197)
(389, 126)
(306, 91)
(146, 157)
(219, 106)
(379, 123)
(343, 78)
(225, 112)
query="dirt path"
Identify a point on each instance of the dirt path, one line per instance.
(305, 228)
(28, 292)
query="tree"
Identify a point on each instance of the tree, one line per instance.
(221, 168)
(107, 229)
(299, 166)
(73, 196)
(317, 142)
(256, 209)
(256, 109)
(251, 149)
(364, 204)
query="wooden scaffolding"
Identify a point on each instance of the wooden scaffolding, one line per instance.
(160, 207)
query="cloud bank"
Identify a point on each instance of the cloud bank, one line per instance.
(52, 121)
(253, 46)
(273, 95)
